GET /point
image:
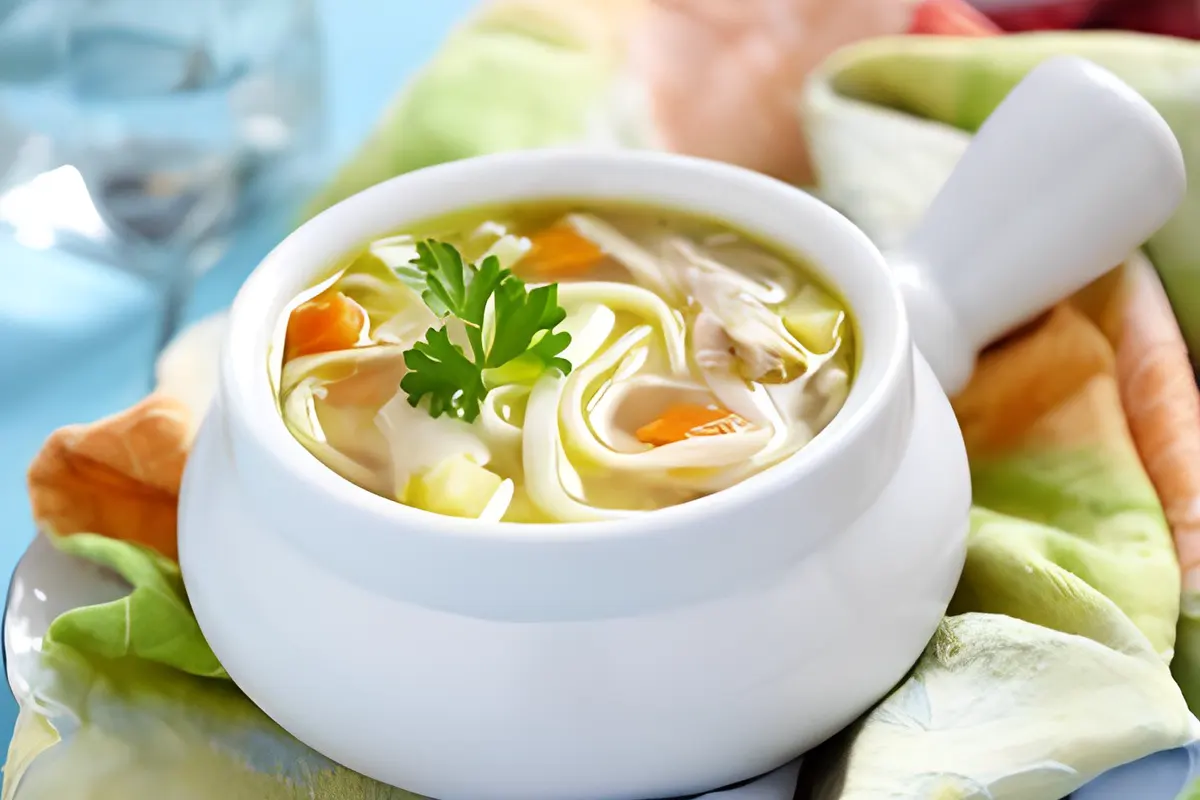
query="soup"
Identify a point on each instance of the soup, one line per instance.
(562, 362)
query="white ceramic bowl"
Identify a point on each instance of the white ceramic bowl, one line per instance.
(679, 650)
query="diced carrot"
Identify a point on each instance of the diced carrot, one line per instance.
(559, 251)
(688, 420)
(330, 321)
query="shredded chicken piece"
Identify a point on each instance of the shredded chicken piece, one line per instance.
(765, 349)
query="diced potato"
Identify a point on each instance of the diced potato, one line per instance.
(814, 318)
(456, 487)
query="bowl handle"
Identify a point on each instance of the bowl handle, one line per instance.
(1070, 174)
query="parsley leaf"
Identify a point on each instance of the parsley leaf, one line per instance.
(523, 343)
(437, 367)
(446, 278)
(522, 316)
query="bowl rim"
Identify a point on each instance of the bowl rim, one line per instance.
(249, 400)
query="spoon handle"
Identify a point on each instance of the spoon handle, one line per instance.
(1070, 174)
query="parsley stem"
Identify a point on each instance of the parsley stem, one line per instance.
(475, 337)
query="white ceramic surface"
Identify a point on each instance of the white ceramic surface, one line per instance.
(1072, 171)
(675, 651)
(47, 583)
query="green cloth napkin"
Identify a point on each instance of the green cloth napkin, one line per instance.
(132, 729)
(154, 622)
(1053, 667)
(515, 75)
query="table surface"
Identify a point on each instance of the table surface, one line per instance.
(76, 339)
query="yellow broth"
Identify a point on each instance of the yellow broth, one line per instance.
(742, 355)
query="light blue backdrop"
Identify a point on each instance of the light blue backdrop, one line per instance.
(75, 340)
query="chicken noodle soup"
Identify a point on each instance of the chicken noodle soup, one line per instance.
(562, 362)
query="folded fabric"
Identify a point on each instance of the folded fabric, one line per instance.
(958, 82)
(118, 479)
(153, 622)
(1079, 428)
(706, 77)
(98, 729)
(1054, 664)
(1169, 17)
(923, 97)
(1038, 15)
(127, 699)
(218, 741)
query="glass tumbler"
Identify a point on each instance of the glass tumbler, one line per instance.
(137, 132)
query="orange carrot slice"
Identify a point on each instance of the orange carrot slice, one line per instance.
(330, 321)
(560, 252)
(688, 420)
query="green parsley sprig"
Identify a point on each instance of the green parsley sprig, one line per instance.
(523, 344)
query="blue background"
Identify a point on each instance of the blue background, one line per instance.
(76, 339)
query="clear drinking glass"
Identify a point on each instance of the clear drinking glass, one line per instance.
(136, 132)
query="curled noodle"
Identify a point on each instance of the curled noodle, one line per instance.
(714, 451)
(545, 460)
(641, 302)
